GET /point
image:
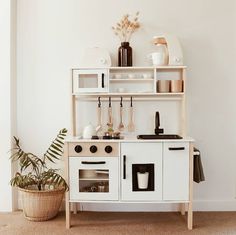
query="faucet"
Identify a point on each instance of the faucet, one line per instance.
(158, 130)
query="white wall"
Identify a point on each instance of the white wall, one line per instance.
(53, 34)
(7, 101)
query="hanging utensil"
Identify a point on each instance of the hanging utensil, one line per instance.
(110, 123)
(131, 126)
(99, 116)
(121, 126)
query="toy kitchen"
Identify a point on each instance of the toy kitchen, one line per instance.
(129, 140)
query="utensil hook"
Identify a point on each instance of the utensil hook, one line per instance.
(121, 101)
(131, 101)
(109, 101)
(99, 101)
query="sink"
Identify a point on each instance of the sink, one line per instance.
(160, 137)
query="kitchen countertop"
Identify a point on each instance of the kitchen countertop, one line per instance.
(71, 139)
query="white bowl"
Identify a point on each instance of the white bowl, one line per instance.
(121, 90)
(118, 76)
(147, 75)
(131, 75)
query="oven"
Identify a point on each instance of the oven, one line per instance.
(93, 171)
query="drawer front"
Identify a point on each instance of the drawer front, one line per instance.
(176, 171)
(82, 149)
(94, 178)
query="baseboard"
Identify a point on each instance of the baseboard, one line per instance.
(214, 205)
(198, 205)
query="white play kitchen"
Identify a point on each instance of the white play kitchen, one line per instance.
(129, 140)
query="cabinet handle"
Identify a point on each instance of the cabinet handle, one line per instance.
(176, 148)
(103, 80)
(124, 167)
(91, 163)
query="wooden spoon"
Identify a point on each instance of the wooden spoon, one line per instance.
(131, 126)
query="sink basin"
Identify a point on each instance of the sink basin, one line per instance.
(160, 137)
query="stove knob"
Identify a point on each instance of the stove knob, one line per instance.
(93, 149)
(108, 149)
(78, 149)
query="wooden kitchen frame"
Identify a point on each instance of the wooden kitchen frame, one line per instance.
(153, 95)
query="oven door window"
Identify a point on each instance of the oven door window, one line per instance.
(94, 180)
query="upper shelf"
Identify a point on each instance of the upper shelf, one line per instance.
(139, 67)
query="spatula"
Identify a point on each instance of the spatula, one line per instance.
(121, 125)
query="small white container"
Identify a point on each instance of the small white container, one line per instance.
(121, 90)
(132, 76)
(142, 180)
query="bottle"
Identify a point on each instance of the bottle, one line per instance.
(125, 55)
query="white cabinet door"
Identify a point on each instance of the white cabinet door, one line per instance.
(136, 157)
(176, 171)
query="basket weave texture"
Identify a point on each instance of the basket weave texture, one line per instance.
(41, 205)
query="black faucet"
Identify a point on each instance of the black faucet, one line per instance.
(158, 130)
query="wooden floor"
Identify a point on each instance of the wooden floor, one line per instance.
(102, 223)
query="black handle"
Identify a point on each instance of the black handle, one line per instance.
(124, 167)
(157, 120)
(176, 148)
(91, 163)
(103, 80)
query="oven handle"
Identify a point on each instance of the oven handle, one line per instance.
(124, 167)
(176, 148)
(91, 163)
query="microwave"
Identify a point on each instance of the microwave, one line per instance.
(90, 80)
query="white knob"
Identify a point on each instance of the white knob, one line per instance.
(103, 60)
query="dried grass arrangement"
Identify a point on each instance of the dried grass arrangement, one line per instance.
(125, 28)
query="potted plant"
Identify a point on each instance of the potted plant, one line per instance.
(41, 187)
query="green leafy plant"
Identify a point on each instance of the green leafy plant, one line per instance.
(34, 171)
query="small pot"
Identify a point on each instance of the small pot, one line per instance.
(176, 86)
(163, 86)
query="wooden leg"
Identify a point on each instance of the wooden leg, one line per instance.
(190, 215)
(74, 208)
(182, 208)
(190, 204)
(67, 211)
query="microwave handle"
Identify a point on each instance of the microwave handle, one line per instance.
(103, 75)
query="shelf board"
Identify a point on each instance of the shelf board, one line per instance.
(131, 79)
(149, 67)
(136, 67)
(94, 179)
(131, 94)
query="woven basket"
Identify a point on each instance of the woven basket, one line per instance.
(41, 205)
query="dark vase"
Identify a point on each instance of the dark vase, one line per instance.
(125, 55)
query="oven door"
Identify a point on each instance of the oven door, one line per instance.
(93, 178)
(90, 80)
